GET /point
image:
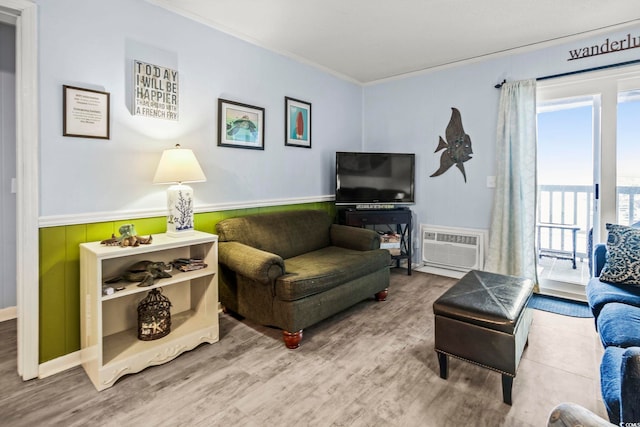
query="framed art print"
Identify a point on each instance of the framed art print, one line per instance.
(85, 113)
(297, 126)
(240, 125)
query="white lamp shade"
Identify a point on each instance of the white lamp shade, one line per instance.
(178, 165)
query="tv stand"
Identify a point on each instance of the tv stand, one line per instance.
(397, 220)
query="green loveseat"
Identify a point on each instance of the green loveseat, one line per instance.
(293, 269)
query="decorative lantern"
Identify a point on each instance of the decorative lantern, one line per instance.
(154, 316)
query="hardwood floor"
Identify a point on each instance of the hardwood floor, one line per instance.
(371, 365)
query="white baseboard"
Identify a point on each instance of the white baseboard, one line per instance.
(8, 313)
(59, 364)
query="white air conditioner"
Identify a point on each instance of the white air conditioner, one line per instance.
(455, 249)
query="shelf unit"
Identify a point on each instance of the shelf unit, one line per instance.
(109, 323)
(397, 220)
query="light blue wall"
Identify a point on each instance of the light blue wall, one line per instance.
(91, 43)
(409, 114)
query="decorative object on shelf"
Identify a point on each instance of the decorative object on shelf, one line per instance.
(145, 272)
(457, 147)
(391, 242)
(155, 92)
(240, 125)
(154, 316)
(128, 237)
(85, 113)
(178, 166)
(189, 264)
(297, 123)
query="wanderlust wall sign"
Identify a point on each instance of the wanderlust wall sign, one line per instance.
(155, 91)
(608, 46)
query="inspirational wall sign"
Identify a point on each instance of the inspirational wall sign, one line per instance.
(155, 91)
(608, 46)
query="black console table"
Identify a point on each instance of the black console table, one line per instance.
(397, 220)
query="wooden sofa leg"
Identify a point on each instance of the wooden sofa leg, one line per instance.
(292, 339)
(382, 295)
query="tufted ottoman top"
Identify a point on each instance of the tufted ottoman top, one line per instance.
(490, 300)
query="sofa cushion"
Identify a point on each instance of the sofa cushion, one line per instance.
(623, 255)
(610, 381)
(600, 293)
(619, 325)
(287, 234)
(326, 268)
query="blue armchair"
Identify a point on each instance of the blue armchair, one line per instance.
(616, 309)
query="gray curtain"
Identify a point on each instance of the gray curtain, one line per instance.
(512, 234)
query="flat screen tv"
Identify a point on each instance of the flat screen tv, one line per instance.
(374, 178)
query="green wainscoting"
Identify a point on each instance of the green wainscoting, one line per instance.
(60, 269)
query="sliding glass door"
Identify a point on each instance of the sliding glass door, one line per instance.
(565, 177)
(588, 153)
(628, 157)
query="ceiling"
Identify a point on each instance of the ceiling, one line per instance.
(370, 40)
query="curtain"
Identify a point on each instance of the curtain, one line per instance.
(512, 248)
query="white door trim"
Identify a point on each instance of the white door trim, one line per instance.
(28, 170)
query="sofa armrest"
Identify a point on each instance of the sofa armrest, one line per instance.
(629, 386)
(360, 239)
(599, 258)
(571, 415)
(255, 264)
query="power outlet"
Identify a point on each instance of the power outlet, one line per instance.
(491, 182)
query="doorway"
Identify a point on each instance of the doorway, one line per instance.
(587, 170)
(24, 14)
(8, 285)
(565, 207)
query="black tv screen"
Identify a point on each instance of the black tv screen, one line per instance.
(385, 178)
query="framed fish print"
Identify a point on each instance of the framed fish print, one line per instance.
(297, 123)
(240, 125)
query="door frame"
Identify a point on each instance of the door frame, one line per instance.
(27, 194)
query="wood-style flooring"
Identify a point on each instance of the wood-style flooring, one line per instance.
(371, 365)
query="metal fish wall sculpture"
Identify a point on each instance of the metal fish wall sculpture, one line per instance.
(457, 146)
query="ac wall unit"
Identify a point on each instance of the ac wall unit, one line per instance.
(452, 249)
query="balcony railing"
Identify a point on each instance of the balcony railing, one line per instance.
(573, 204)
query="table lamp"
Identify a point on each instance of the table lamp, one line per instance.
(178, 166)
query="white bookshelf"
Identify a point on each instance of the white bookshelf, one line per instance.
(109, 323)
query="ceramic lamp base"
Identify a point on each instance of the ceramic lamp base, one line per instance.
(180, 204)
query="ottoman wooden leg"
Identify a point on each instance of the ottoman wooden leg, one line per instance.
(507, 385)
(444, 365)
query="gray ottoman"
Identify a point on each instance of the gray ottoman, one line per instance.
(484, 319)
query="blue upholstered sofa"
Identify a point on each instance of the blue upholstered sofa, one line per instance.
(615, 303)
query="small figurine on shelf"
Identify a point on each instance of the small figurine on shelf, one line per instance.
(128, 237)
(145, 272)
(189, 264)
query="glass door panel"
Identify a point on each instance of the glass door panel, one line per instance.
(628, 157)
(565, 207)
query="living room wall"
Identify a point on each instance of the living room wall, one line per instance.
(409, 114)
(92, 44)
(88, 187)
